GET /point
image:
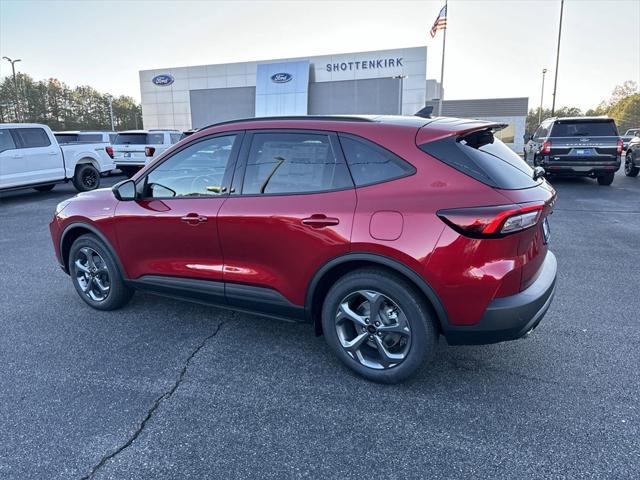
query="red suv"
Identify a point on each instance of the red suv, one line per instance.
(383, 232)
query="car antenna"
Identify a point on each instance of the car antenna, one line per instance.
(424, 112)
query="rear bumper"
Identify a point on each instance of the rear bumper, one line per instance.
(580, 167)
(510, 318)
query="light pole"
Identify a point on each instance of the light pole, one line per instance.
(544, 71)
(15, 83)
(555, 82)
(110, 99)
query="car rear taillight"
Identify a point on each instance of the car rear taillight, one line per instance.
(495, 221)
(546, 147)
(109, 150)
(149, 151)
(619, 146)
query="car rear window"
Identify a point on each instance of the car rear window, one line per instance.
(568, 128)
(482, 156)
(139, 139)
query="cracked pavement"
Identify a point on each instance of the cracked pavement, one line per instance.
(166, 389)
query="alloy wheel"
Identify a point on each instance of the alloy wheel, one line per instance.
(373, 329)
(92, 274)
(628, 163)
(90, 178)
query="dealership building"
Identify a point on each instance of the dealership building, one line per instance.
(377, 82)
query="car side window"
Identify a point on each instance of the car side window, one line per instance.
(370, 163)
(6, 141)
(195, 171)
(280, 163)
(175, 137)
(112, 137)
(32, 137)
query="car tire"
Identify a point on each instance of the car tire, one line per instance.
(86, 178)
(630, 170)
(95, 274)
(606, 179)
(129, 171)
(45, 188)
(370, 344)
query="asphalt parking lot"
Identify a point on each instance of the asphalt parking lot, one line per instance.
(165, 389)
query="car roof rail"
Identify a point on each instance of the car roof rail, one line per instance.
(330, 118)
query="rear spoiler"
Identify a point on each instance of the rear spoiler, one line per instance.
(442, 127)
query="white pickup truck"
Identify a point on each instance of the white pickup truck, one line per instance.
(30, 156)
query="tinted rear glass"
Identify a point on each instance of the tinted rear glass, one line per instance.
(482, 156)
(66, 137)
(32, 137)
(90, 137)
(370, 163)
(584, 129)
(139, 139)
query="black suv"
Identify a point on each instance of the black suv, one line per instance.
(577, 146)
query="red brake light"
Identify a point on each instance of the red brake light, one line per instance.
(546, 147)
(149, 151)
(109, 150)
(619, 146)
(497, 221)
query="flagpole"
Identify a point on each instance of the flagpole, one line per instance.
(555, 82)
(444, 43)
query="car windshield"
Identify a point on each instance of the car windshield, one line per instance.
(584, 129)
(139, 139)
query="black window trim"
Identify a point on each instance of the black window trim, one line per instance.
(241, 166)
(376, 146)
(227, 177)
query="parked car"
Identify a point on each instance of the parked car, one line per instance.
(133, 149)
(383, 232)
(78, 136)
(30, 156)
(628, 135)
(577, 146)
(632, 158)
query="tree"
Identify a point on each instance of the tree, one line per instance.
(62, 108)
(532, 116)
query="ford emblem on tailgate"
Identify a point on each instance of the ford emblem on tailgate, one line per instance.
(281, 77)
(162, 80)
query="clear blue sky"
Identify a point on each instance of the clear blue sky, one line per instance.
(494, 48)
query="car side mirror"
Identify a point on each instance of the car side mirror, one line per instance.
(125, 191)
(149, 151)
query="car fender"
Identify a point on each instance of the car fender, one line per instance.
(384, 261)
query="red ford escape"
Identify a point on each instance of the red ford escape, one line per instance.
(383, 232)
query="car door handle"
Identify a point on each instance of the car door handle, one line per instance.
(53, 153)
(193, 219)
(17, 156)
(320, 220)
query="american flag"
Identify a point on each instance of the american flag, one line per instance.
(440, 23)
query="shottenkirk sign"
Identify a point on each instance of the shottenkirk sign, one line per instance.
(364, 64)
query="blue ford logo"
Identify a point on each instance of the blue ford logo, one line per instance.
(281, 77)
(162, 80)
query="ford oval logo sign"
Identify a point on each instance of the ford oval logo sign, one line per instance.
(162, 80)
(281, 77)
